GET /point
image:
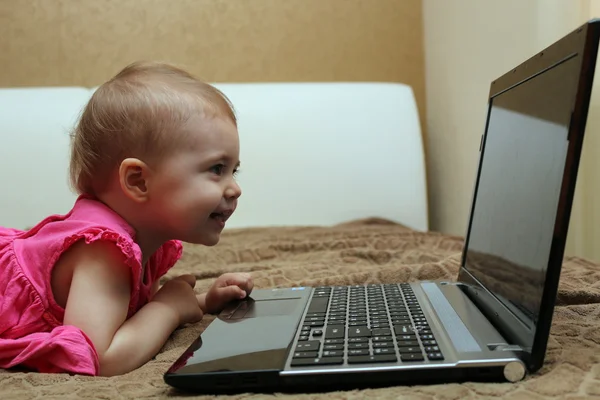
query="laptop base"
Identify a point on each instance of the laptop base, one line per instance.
(269, 382)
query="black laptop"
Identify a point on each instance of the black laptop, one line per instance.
(491, 323)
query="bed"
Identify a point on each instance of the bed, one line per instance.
(334, 193)
(369, 250)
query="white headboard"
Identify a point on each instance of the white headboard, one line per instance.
(311, 153)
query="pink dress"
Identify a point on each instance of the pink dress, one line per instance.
(31, 331)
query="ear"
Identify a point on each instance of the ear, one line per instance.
(133, 176)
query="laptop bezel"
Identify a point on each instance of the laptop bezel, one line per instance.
(582, 42)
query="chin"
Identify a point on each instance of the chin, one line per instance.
(211, 243)
(206, 240)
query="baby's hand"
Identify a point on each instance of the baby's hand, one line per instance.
(227, 287)
(178, 294)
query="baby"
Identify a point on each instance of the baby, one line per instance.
(153, 159)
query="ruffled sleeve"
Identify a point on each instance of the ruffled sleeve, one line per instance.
(166, 257)
(132, 255)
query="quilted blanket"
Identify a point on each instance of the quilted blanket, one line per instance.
(365, 251)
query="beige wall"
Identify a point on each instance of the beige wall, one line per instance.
(83, 42)
(584, 231)
(468, 43)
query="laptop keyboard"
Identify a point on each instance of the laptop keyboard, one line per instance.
(364, 324)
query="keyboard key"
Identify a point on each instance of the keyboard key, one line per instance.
(306, 354)
(334, 341)
(380, 325)
(358, 352)
(359, 331)
(317, 314)
(378, 358)
(377, 345)
(408, 350)
(381, 339)
(379, 320)
(337, 314)
(403, 329)
(384, 351)
(364, 345)
(435, 356)
(333, 346)
(303, 338)
(333, 353)
(406, 337)
(411, 357)
(310, 345)
(317, 332)
(301, 362)
(432, 349)
(381, 332)
(408, 343)
(318, 304)
(335, 331)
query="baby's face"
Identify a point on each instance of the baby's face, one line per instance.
(194, 191)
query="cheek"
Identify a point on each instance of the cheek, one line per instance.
(205, 194)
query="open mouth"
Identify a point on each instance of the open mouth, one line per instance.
(218, 216)
(221, 216)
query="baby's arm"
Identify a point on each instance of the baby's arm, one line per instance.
(98, 303)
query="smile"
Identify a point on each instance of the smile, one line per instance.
(221, 216)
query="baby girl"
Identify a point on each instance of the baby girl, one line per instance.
(154, 157)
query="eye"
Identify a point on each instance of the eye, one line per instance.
(236, 171)
(217, 169)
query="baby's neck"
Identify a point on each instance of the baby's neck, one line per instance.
(148, 241)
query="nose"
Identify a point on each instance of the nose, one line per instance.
(233, 191)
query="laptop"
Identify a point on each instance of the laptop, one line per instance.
(491, 323)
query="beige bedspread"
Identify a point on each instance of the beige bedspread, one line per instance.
(359, 252)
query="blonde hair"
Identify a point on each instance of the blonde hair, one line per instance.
(136, 114)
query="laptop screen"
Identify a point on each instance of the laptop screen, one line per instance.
(516, 199)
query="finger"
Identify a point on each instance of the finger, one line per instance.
(241, 280)
(231, 292)
(188, 278)
(249, 286)
(246, 286)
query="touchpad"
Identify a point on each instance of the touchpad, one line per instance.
(264, 308)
